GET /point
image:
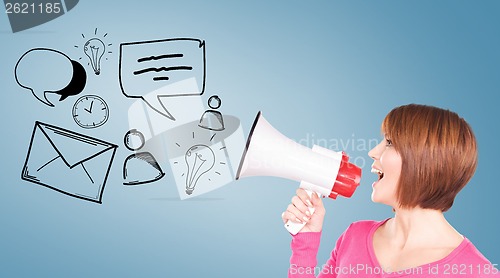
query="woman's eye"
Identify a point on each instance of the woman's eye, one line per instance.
(388, 142)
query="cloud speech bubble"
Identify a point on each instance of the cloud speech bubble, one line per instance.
(44, 70)
(153, 66)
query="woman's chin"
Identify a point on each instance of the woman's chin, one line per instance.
(380, 200)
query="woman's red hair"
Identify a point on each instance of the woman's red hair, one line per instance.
(438, 151)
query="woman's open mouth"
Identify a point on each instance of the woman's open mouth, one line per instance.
(378, 172)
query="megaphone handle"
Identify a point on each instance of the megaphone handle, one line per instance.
(294, 227)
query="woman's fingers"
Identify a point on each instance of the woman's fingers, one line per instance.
(317, 202)
(298, 211)
(295, 214)
(302, 194)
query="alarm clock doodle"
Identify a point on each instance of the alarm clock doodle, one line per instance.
(90, 111)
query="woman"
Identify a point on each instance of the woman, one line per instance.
(427, 156)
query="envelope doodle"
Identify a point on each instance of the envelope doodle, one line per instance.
(68, 162)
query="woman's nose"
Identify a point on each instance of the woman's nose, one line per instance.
(371, 154)
(375, 152)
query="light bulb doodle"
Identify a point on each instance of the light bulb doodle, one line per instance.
(94, 49)
(199, 159)
(227, 147)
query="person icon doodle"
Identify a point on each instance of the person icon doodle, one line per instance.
(212, 119)
(140, 167)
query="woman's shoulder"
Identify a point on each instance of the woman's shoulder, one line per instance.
(356, 238)
(366, 226)
(361, 229)
(470, 260)
(468, 252)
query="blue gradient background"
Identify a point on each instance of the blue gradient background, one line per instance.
(317, 69)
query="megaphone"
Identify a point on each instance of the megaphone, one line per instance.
(320, 170)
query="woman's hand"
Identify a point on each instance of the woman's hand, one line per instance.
(298, 211)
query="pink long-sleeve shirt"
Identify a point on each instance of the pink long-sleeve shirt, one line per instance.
(353, 256)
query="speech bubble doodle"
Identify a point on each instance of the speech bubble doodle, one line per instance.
(152, 66)
(44, 70)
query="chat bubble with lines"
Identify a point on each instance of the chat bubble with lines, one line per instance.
(152, 66)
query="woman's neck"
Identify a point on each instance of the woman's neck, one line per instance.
(417, 227)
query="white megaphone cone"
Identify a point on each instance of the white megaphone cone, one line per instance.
(320, 170)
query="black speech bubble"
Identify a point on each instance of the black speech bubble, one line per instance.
(77, 83)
